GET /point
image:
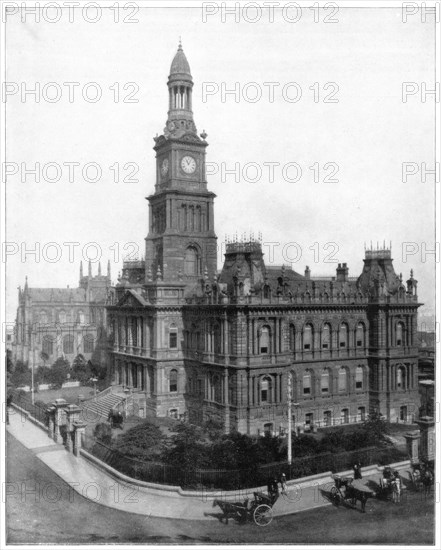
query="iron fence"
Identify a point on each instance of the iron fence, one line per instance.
(254, 476)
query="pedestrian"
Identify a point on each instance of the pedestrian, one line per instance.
(8, 404)
(283, 484)
(396, 488)
(357, 471)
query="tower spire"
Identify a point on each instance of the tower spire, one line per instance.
(89, 271)
(99, 268)
(108, 269)
(81, 269)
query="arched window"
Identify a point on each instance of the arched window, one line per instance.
(265, 340)
(343, 336)
(192, 261)
(292, 338)
(88, 343)
(359, 378)
(265, 390)
(43, 318)
(324, 381)
(359, 336)
(173, 337)
(68, 344)
(267, 292)
(307, 337)
(48, 345)
(173, 382)
(326, 336)
(307, 383)
(344, 416)
(342, 380)
(400, 333)
(62, 316)
(81, 317)
(361, 414)
(401, 376)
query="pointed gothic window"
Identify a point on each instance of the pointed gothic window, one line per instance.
(192, 261)
(326, 336)
(307, 337)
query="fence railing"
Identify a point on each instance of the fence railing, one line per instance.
(254, 476)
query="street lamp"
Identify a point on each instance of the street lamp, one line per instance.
(290, 404)
(94, 380)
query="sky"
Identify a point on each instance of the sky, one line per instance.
(319, 103)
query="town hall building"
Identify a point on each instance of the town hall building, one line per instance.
(197, 344)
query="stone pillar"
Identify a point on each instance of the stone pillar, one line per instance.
(412, 444)
(60, 418)
(51, 426)
(79, 428)
(72, 416)
(427, 442)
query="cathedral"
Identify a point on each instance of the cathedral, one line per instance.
(193, 343)
(63, 322)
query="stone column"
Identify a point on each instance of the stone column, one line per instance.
(427, 442)
(72, 416)
(79, 429)
(51, 426)
(60, 418)
(412, 444)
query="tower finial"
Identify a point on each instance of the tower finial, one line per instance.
(81, 269)
(108, 269)
(180, 44)
(99, 268)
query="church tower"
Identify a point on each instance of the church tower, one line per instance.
(181, 243)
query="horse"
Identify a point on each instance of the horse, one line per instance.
(427, 481)
(234, 510)
(355, 494)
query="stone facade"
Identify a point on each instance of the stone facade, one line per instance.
(200, 345)
(63, 322)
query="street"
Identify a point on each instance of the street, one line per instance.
(57, 514)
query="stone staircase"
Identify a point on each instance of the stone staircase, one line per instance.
(102, 404)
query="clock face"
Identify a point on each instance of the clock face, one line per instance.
(188, 164)
(164, 167)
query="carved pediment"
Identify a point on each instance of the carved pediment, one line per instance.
(131, 299)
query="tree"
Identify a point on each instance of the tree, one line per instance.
(21, 376)
(81, 369)
(376, 426)
(103, 433)
(58, 372)
(187, 449)
(144, 442)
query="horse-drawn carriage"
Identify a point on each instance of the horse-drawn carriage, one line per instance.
(258, 509)
(422, 476)
(345, 489)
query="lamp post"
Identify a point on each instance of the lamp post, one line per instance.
(290, 404)
(94, 380)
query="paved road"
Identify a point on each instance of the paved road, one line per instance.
(58, 514)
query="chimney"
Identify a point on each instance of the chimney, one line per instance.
(342, 273)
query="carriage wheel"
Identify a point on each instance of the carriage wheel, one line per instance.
(335, 495)
(263, 515)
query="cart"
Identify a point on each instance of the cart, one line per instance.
(259, 509)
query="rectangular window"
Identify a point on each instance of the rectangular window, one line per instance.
(307, 346)
(359, 343)
(342, 344)
(173, 340)
(325, 345)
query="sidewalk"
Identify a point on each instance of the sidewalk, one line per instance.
(102, 487)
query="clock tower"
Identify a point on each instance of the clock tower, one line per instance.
(181, 243)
